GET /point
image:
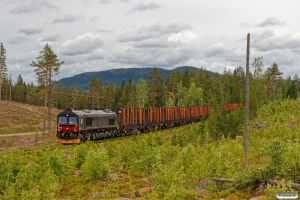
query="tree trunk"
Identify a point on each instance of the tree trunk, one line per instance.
(271, 181)
(227, 180)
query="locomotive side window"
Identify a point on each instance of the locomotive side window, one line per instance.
(80, 121)
(111, 122)
(62, 120)
(89, 121)
(72, 120)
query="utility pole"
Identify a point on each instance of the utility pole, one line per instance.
(10, 83)
(0, 75)
(49, 80)
(247, 99)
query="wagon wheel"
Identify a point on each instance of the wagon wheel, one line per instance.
(120, 134)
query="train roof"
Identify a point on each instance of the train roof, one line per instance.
(81, 113)
(68, 112)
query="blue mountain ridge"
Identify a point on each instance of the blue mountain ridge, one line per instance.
(117, 75)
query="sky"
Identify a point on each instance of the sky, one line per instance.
(98, 35)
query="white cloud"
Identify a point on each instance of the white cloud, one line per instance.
(30, 29)
(68, 19)
(50, 37)
(83, 44)
(18, 39)
(276, 39)
(218, 49)
(143, 7)
(271, 21)
(184, 36)
(34, 6)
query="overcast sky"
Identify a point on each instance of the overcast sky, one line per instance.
(97, 35)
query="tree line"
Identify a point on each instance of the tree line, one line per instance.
(188, 89)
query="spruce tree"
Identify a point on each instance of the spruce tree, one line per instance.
(117, 96)
(186, 78)
(20, 90)
(155, 88)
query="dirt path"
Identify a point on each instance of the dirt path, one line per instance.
(20, 134)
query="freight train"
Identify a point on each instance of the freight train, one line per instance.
(74, 126)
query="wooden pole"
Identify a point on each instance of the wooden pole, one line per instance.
(49, 101)
(247, 99)
(0, 74)
(36, 136)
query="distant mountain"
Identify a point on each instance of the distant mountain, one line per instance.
(117, 75)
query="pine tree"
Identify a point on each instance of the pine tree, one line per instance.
(155, 90)
(109, 94)
(3, 68)
(272, 74)
(74, 95)
(56, 92)
(67, 100)
(93, 88)
(100, 93)
(46, 66)
(117, 96)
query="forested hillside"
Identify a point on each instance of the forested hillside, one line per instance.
(118, 75)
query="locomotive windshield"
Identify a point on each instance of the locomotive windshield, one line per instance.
(67, 120)
(72, 120)
(62, 120)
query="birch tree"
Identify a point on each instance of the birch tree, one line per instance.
(141, 93)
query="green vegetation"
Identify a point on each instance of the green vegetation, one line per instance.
(177, 163)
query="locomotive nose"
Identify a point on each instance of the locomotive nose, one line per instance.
(67, 135)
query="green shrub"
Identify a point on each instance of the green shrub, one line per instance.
(80, 153)
(272, 190)
(33, 182)
(96, 165)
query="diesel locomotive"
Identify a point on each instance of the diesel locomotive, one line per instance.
(74, 126)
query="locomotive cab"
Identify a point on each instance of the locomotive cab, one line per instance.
(67, 127)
